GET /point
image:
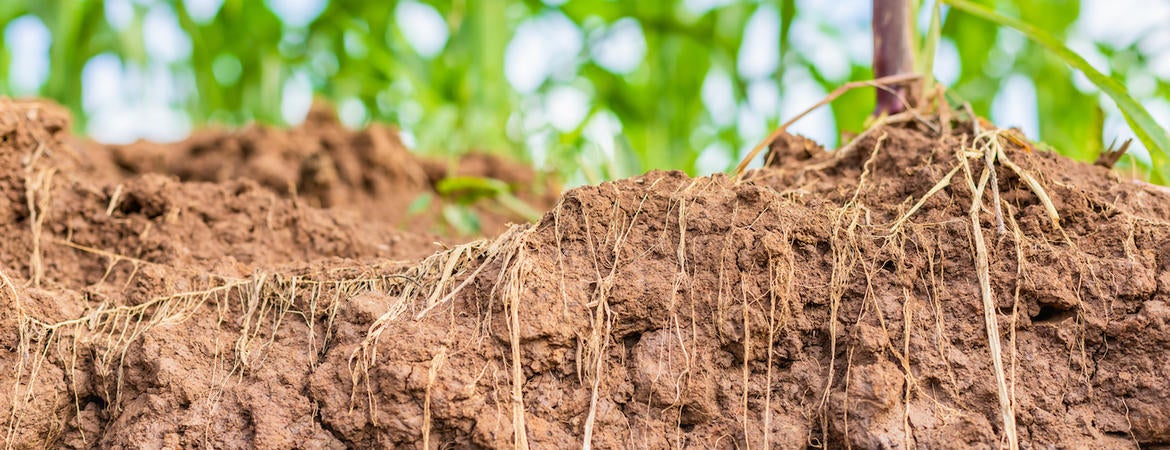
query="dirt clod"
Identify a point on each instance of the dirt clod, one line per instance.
(323, 164)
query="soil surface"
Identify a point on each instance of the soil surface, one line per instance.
(323, 164)
(224, 293)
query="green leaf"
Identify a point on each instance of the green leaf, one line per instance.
(419, 204)
(469, 189)
(930, 47)
(1155, 138)
(519, 207)
(462, 219)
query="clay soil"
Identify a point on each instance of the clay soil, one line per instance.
(266, 289)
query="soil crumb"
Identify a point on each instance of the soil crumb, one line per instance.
(828, 300)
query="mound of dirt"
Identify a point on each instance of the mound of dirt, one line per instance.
(831, 299)
(324, 164)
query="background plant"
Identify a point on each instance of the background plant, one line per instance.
(610, 88)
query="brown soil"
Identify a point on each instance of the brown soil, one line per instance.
(808, 304)
(323, 164)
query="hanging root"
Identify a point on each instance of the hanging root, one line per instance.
(982, 271)
(602, 327)
(435, 282)
(1020, 276)
(782, 279)
(515, 274)
(432, 374)
(262, 303)
(988, 146)
(843, 240)
(38, 191)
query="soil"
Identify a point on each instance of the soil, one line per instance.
(214, 294)
(323, 164)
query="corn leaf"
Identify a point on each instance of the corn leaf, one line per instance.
(469, 189)
(1154, 136)
(930, 47)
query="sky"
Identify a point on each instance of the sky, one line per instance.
(128, 102)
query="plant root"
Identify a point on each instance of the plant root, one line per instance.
(982, 272)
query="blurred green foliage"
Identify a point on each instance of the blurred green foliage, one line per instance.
(460, 99)
(1154, 136)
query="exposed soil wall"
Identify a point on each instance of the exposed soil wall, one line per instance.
(831, 299)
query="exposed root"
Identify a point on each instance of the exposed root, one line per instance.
(901, 257)
(908, 374)
(682, 277)
(38, 191)
(879, 83)
(934, 286)
(844, 248)
(988, 146)
(432, 373)
(431, 278)
(114, 199)
(745, 370)
(878, 124)
(516, 273)
(996, 146)
(942, 184)
(603, 320)
(265, 299)
(989, 163)
(782, 278)
(989, 314)
(1020, 262)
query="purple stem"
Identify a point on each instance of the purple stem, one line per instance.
(892, 54)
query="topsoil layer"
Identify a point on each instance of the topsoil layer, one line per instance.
(321, 163)
(831, 299)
